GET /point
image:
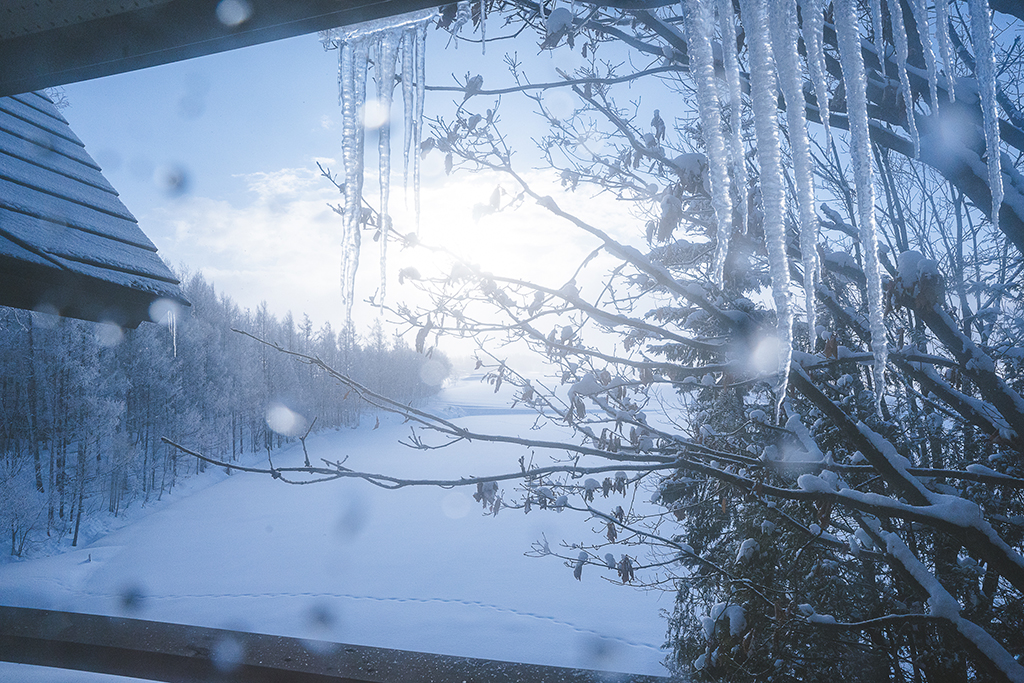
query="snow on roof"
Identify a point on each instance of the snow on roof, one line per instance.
(67, 242)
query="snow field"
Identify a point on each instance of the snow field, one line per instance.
(417, 569)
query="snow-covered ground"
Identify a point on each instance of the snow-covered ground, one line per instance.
(416, 569)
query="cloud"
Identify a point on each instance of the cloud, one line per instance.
(283, 245)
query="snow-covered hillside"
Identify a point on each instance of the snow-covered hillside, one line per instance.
(417, 569)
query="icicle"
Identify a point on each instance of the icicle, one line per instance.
(876, 25)
(417, 113)
(784, 42)
(726, 20)
(483, 26)
(945, 44)
(924, 31)
(702, 66)
(355, 42)
(352, 76)
(172, 319)
(773, 188)
(814, 26)
(860, 152)
(899, 32)
(981, 36)
(408, 93)
(384, 74)
(463, 14)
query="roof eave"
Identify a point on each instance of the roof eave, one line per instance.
(52, 290)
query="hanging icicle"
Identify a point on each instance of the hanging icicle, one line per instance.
(945, 44)
(384, 75)
(876, 26)
(410, 148)
(899, 32)
(483, 26)
(382, 39)
(420, 77)
(981, 36)
(702, 65)
(727, 26)
(924, 32)
(784, 42)
(352, 84)
(773, 187)
(860, 152)
(463, 15)
(814, 28)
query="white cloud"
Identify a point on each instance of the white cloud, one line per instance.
(283, 245)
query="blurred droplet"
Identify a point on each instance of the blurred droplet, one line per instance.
(559, 104)
(227, 654)
(319, 625)
(233, 13)
(130, 599)
(596, 652)
(352, 518)
(109, 334)
(192, 101)
(163, 311)
(191, 107)
(432, 373)
(172, 179)
(765, 359)
(320, 616)
(49, 317)
(374, 114)
(456, 505)
(285, 421)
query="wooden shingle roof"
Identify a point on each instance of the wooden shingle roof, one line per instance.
(68, 244)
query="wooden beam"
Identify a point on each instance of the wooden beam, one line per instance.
(173, 652)
(72, 51)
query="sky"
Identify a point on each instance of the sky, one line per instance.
(217, 158)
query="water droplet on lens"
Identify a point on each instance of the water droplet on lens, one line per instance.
(233, 13)
(172, 179)
(285, 421)
(455, 505)
(109, 334)
(374, 114)
(131, 599)
(227, 654)
(161, 309)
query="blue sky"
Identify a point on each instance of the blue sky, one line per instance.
(257, 108)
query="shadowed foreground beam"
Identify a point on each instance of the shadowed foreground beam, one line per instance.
(173, 652)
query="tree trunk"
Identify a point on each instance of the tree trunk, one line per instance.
(81, 492)
(33, 403)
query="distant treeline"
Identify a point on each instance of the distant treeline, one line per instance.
(83, 406)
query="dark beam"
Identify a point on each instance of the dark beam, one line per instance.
(173, 652)
(34, 287)
(169, 32)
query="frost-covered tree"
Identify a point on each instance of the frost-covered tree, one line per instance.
(807, 350)
(84, 407)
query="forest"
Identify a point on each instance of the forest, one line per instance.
(84, 406)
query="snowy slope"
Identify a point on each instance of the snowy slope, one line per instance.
(417, 569)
